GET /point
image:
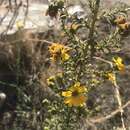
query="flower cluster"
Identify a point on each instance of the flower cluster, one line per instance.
(119, 64)
(111, 76)
(122, 23)
(59, 52)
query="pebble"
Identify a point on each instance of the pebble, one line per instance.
(2, 98)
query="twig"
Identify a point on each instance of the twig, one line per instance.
(102, 119)
(41, 41)
(26, 12)
(34, 40)
(104, 60)
(91, 124)
(117, 93)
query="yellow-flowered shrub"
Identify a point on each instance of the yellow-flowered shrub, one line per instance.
(86, 62)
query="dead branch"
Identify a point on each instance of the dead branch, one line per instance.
(107, 117)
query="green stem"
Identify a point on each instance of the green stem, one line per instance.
(91, 40)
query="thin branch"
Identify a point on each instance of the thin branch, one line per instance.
(29, 39)
(104, 60)
(118, 96)
(36, 40)
(26, 12)
(112, 114)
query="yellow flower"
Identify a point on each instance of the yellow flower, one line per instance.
(111, 76)
(50, 80)
(75, 95)
(59, 51)
(64, 55)
(118, 62)
(74, 27)
(19, 24)
(125, 26)
(120, 20)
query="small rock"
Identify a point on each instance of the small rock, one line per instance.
(2, 98)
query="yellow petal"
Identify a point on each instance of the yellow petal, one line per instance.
(120, 20)
(112, 77)
(82, 89)
(121, 67)
(75, 101)
(19, 24)
(68, 101)
(119, 64)
(77, 84)
(114, 59)
(78, 87)
(67, 94)
(74, 26)
(119, 60)
(78, 101)
(65, 57)
(74, 87)
(51, 80)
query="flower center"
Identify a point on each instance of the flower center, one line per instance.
(75, 93)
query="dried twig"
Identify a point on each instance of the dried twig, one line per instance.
(26, 12)
(117, 93)
(103, 60)
(29, 39)
(112, 114)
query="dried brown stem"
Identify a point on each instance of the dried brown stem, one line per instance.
(107, 117)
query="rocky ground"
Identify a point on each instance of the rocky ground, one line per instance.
(36, 18)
